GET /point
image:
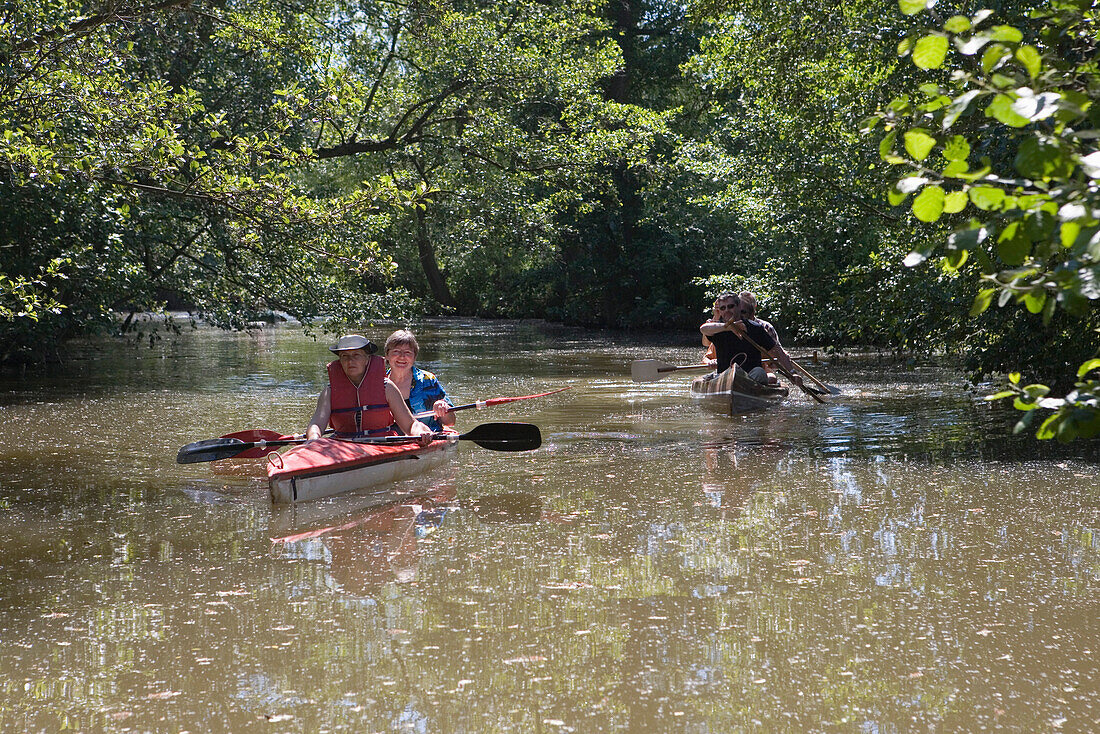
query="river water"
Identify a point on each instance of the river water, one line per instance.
(892, 561)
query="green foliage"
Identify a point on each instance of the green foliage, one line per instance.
(245, 158)
(1009, 139)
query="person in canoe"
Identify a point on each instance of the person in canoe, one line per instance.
(728, 334)
(748, 311)
(710, 357)
(419, 388)
(359, 400)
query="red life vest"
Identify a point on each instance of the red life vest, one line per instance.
(363, 410)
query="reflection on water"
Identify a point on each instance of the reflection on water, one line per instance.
(892, 561)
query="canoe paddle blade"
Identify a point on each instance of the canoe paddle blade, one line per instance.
(505, 436)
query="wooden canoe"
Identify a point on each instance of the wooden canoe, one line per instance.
(735, 390)
(328, 466)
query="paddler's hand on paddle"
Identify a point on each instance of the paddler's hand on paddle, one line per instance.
(736, 326)
(443, 414)
(422, 432)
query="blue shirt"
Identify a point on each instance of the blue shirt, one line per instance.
(423, 393)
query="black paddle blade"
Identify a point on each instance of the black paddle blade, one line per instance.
(505, 436)
(211, 449)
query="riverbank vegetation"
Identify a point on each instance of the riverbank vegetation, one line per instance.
(882, 174)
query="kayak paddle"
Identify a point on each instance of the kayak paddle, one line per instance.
(228, 447)
(648, 370)
(479, 404)
(494, 436)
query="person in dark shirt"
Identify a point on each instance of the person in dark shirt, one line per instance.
(728, 334)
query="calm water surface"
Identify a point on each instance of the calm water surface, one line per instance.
(893, 561)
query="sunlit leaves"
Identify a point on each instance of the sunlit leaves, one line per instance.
(1029, 56)
(912, 7)
(957, 148)
(1001, 108)
(928, 204)
(930, 51)
(918, 143)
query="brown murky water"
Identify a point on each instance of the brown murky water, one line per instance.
(893, 561)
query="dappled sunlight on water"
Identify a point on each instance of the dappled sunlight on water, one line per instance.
(891, 561)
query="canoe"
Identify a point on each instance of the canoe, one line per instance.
(736, 391)
(329, 466)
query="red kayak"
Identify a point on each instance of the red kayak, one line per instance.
(328, 466)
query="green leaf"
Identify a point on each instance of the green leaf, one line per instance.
(955, 202)
(957, 148)
(956, 169)
(957, 24)
(993, 56)
(1029, 57)
(1014, 378)
(1013, 245)
(982, 301)
(887, 144)
(928, 204)
(1068, 233)
(1001, 109)
(987, 198)
(1087, 367)
(1042, 159)
(955, 260)
(1035, 300)
(930, 52)
(1005, 33)
(918, 143)
(912, 7)
(1050, 427)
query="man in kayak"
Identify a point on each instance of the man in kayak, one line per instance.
(733, 337)
(359, 400)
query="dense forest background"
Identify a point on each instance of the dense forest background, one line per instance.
(904, 175)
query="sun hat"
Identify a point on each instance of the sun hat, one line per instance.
(353, 341)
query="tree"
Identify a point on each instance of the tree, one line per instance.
(1000, 144)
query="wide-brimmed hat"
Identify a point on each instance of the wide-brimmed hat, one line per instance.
(353, 341)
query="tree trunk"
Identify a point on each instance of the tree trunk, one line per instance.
(436, 282)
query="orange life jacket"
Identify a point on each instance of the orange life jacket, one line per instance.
(362, 410)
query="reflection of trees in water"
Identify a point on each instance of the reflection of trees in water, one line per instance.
(380, 544)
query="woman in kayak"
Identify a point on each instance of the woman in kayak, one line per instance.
(359, 400)
(420, 388)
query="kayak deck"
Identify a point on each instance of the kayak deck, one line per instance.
(328, 466)
(737, 391)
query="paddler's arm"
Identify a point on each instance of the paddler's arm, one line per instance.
(711, 328)
(779, 354)
(409, 425)
(319, 422)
